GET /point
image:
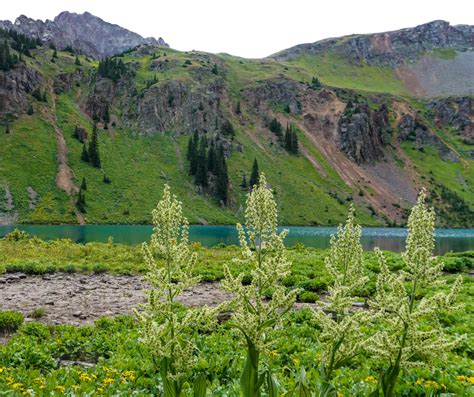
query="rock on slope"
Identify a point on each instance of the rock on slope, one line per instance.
(85, 32)
(391, 48)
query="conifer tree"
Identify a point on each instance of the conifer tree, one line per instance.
(106, 115)
(294, 143)
(30, 109)
(315, 83)
(255, 175)
(191, 154)
(85, 154)
(7, 129)
(212, 158)
(222, 183)
(201, 163)
(238, 110)
(84, 184)
(288, 138)
(94, 155)
(81, 201)
(244, 184)
(55, 54)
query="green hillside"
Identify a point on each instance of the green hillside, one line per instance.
(310, 188)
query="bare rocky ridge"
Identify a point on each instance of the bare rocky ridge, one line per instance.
(85, 32)
(391, 48)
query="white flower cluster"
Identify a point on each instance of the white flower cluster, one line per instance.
(410, 333)
(262, 247)
(167, 328)
(342, 336)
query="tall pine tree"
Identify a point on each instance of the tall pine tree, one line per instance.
(85, 154)
(222, 177)
(94, 155)
(201, 163)
(255, 175)
(191, 154)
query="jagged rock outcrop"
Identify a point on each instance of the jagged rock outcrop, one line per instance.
(390, 48)
(363, 132)
(281, 92)
(179, 107)
(63, 82)
(457, 113)
(14, 87)
(85, 32)
(411, 129)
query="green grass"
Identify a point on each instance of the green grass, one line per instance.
(139, 166)
(31, 358)
(443, 53)
(336, 71)
(28, 156)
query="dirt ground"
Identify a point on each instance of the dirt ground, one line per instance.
(78, 299)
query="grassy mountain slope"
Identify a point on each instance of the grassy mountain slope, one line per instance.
(314, 187)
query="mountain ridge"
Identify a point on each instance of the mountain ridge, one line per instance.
(84, 32)
(362, 137)
(390, 48)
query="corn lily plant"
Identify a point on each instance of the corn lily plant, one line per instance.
(253, 316)
(168, 328)
(411, 334)
(342, 335)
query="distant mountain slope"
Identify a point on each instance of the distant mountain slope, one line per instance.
(432, 59)
(84, 32)
(362, 137)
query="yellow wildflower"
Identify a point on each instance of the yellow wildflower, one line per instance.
(296, 361)
(17, 385)
(76, 387)
(370, 379)
(127, 374)
(60, 388)
(107, 381)
(431, 384)
(467, 379)
(2, 369)
(84, 377)
(419, 381)
(339, 394)
(273, 353)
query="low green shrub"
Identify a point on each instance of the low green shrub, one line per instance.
(10, 320)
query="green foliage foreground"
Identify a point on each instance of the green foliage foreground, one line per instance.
(408, 341)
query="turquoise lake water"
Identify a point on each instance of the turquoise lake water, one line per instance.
(392, 239)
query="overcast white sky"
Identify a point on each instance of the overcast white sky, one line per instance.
(250, 28)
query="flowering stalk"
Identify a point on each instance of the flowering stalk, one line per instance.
(262, 247)
(405, 340)
(167, 328)
(341, 337)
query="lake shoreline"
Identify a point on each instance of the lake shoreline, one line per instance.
(390, 239)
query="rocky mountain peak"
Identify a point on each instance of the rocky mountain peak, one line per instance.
(391, 48)
(85, 32)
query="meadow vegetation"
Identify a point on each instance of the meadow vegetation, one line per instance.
(410, 334)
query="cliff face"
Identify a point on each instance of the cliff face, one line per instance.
(457, 113)
(363, 133)
(391, 48)
(84, 32)
(15, 85)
